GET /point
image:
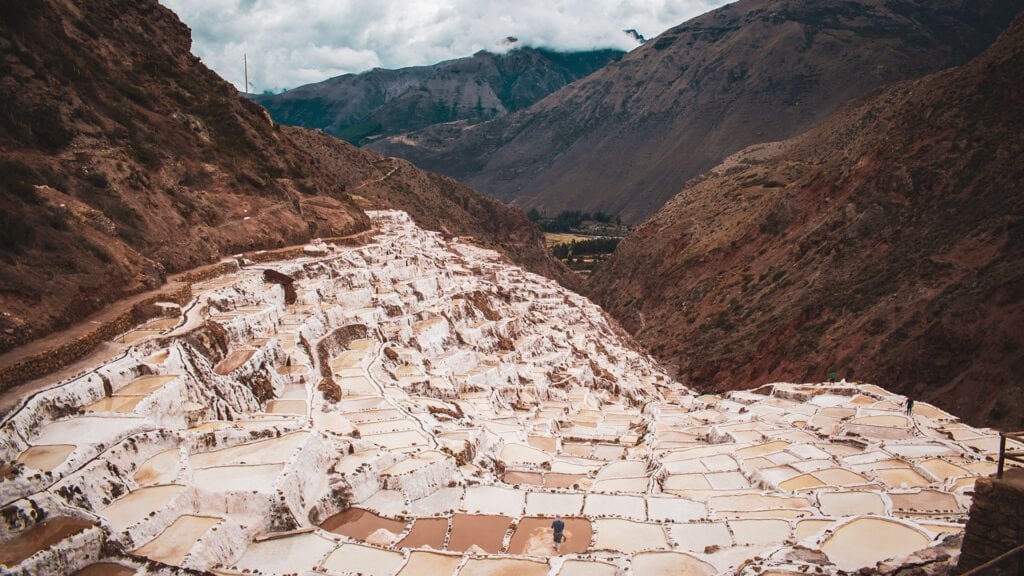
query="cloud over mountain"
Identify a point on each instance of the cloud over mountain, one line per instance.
(293, 42)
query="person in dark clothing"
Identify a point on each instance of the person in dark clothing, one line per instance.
(910, 406)
(559, 527)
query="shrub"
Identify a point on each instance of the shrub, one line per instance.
(15, 232)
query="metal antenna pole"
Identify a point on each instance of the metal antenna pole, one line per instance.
(245, 63)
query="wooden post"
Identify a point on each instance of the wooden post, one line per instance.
(1002, 455)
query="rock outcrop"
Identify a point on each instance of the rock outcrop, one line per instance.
(996, 524)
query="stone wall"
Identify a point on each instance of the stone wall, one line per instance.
(996, 523)
(52, 360)
(208, 272)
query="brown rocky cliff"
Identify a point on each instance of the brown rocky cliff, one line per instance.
(886, 245)
(124, 159)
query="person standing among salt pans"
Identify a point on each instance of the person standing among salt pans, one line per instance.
(559, 531)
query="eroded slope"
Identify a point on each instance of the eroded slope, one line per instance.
(125, 159)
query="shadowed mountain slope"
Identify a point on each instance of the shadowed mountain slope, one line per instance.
(886, 245)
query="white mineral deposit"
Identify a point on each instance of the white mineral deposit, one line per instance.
(423, 407)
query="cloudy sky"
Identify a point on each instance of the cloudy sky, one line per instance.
(294, 42)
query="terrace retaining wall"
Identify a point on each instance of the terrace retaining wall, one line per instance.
(52, 360)
(996, 523)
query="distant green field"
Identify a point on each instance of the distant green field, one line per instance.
(581, 253)
(552, 238)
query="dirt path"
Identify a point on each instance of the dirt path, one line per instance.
(56, 339)
(378, 180)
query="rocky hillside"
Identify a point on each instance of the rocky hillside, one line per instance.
(434, 201)
(125, 159)
(361, 107)
(627, 138)
(887, 244)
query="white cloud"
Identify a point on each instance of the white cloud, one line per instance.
(293, 42)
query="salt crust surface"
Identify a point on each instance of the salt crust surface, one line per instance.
(451, 371)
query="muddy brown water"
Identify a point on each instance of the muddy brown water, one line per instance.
(482, 530)
(40, 537)
(561, 480)
(426, 532)
(105, 569)
(534, 536)
(46, 456)
(359, 524)
(235, 359)
(162, 323)
(529, 478)
(924, 501)
(543, 443)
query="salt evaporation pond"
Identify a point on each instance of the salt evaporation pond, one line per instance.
(424, 407)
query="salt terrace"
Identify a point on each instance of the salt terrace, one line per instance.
(423, 407)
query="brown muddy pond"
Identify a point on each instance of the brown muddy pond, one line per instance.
(534, 536)
(481, 530)
(544, 443)
(40, 537)
(46, 456)
(576, 449)
(528, 478)
(162, 323)
(105, 569)
(560, 480)
(233, 361)
(426, 532)
(359, 524)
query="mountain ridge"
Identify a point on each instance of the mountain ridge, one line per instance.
(626, 138)
(362, 107)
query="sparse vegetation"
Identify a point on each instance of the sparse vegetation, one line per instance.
(571, 220)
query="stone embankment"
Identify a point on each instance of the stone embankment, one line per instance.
(996, 524)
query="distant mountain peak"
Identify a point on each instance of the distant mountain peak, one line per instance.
(364, 107)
